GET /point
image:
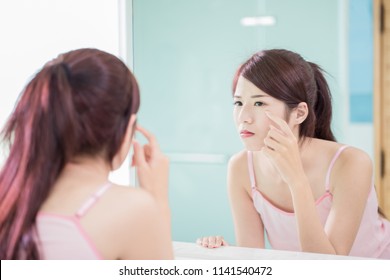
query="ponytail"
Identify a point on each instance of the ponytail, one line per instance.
(36, 157)
(381, 213)
(323, 106)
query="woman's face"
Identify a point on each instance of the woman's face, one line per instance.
(250, 104)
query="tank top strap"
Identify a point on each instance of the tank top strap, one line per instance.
(87, 205)
(251, 169)
(335, 157)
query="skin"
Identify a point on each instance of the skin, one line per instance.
(126, 223)
(291, 175)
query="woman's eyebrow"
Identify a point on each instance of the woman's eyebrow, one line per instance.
(253, 96)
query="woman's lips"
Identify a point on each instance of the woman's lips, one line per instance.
(246, 133)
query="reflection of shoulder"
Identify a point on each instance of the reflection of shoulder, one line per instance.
(238, 174)
(341, 157)
(352, 170)
(341, 154)
(353, 158)
(238, 162)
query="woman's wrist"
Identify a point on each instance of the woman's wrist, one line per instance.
(163, 202)
(299, 183)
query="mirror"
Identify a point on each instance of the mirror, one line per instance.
(184, 54)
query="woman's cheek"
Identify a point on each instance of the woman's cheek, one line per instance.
(235, 117)
(263, 123)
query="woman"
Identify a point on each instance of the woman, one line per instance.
(73, 124)
(293, 181)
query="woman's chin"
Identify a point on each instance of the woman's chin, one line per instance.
(253, 144)
(253, 147)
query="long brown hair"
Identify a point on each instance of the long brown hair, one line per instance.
(286, 76)
(78, 104)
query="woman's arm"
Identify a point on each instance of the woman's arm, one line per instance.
(145, 230)
(248, 226)
(152, 228)
(351, 179)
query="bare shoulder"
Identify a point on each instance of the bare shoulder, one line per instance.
(350, 158)
(128, 205)
(119, 217)
(238, 163)
(130, 199)
(133, 209)
(354, 159)
(353, 170)
(238, 174)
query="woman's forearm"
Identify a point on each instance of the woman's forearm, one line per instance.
(311, 232)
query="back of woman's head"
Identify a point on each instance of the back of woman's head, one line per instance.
(89, 98)
(78, 104)
(286, 76)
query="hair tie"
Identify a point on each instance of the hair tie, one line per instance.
(59, 62)
(56, 61)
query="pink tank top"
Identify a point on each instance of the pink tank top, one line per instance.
(62, 237)
(373, 237)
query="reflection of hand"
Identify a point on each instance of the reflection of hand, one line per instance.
(152, 167)
(281, 147)
(212, 241)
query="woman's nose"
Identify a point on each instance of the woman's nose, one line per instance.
(245, 116)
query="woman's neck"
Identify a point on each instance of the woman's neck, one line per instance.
(85, 169)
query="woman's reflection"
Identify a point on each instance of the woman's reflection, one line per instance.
(293, 180)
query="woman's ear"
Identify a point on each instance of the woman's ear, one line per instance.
(126, 144)
(300, 113)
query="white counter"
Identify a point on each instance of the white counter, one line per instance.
(184, 250)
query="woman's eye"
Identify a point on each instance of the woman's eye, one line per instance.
(258, 103)
(237, 103)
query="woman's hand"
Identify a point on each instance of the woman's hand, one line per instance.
(281, 147)
(152, 166)
(212, 241)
